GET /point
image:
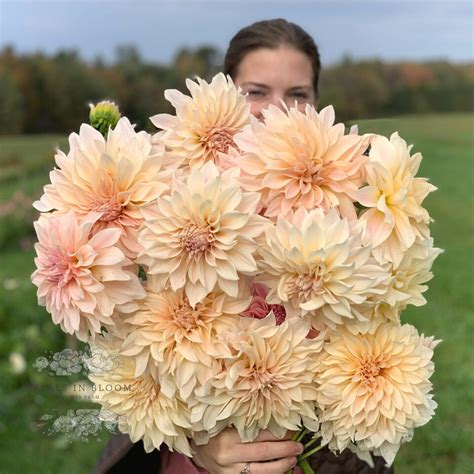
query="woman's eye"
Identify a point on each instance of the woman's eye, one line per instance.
(300, 95)
(255, 93)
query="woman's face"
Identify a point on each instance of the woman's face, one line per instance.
(269, 75)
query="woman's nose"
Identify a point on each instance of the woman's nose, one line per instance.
(278, 101)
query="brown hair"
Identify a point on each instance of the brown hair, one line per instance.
(271, 34)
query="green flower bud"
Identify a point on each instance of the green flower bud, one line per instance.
(103, 116)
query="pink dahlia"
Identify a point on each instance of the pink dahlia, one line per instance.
(82, 280)
(259, 308)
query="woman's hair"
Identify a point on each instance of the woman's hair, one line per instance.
(271, 34)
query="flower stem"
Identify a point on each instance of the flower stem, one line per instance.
(305, 466)
(309, 453)
(311, 442)
(302, 433)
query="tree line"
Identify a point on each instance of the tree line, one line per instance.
(50, 94)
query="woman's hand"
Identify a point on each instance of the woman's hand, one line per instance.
(226, 454)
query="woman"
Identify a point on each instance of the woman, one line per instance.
(274, 62)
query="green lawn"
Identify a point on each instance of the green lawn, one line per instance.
(445, 445)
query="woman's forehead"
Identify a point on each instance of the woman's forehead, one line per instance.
(283, 66)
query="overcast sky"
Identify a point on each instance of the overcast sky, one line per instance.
(387, 29)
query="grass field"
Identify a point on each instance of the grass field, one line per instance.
(445, 445)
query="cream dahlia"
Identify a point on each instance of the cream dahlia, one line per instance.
(394, 196)
(143, 410)
(316, 264)
(374, 388)
(170, 338)
(205, 123)
(82, 280)
(302, 160)
(409, 280)
(267, 383)
(114, 177)
(203, 235)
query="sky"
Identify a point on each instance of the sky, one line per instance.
(385, 29)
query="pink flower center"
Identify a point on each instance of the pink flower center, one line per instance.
(218, 140)
(61, 268)
(185, 316)
(307, 173)
(111, 209)
(303, 285)
(196, 240)
(369, 370)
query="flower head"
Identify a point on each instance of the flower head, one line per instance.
(267, 383)
(316, 264)
(114, 177)
(259, 307)
(374, 388)
(302, 160)
(203, 235)
(394, 196)
(144, 411)
(81, 279)
(205, 123)
(168, 337)
(409, 278)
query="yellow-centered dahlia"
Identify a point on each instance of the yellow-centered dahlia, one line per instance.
(315, 264)
(82, 280)
(205, 123)
(143, 410)
(374, 388)
(203, 235)
(303, 160)
(268, 382)
(114, 177)
(394, 196)
(168, 337)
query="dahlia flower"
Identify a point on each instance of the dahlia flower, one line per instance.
(82, 280)
(374, 388)
(302, 160)
(395, 218)
(408, 282)
(143, 410)
(267, 383)
(114, 177)
(203, 235)
(259, 307)
(170, 338)
(205, 123)
(316, 264)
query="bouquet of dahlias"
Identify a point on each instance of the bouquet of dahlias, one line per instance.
(245, 273)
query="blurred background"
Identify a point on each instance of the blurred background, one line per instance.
(388, 65)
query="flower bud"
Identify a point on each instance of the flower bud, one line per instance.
(104, 115)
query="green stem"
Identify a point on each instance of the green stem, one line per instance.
(311, 442)
(305, 466)
(309, 453)
(302, 434)
(295, 435)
